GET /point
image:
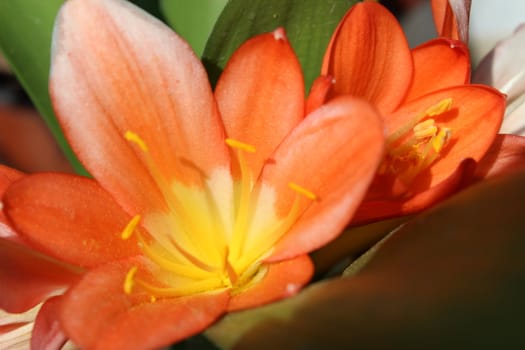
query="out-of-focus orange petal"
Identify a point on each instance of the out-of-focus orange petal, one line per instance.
(27, 277)
(438, 64)
(7, 176)
(369, 57)
(261, 94)
(47, 332)
(283, 279)
(444, 19)
(122, 70)
(334, 154)
(318, 93)
(97, 314)
(451, 18)
(69, 217)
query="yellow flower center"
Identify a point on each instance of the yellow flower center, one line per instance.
(213, 236)
(415, 146)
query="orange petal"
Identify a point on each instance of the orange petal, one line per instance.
(27, 277)
(96, 313)
(446, 24)
(333, 153)
(117, 69)
(7, 176)
(369, 57)
(47, 333)
(261, 94)
(283, 279)
(438, 64)
(451, 18)
(507, 154)
(318, 93)
(69, 217)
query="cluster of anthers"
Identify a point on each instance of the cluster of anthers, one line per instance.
(415, 146)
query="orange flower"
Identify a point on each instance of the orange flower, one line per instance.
(434, 119)
(203, 202)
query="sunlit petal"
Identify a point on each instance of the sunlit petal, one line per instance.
(336, 161)
(261, 94)
(133, 75)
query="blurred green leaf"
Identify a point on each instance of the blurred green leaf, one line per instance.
(25, 39)
(193, 20)
(151, 6)
(308, 23)
(451, 278)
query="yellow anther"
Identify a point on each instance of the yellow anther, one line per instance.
(439, 108)
(130, 227)
(128, 281)
(136, 139)
(425, 129)
(301, 190)
(152, 299)
(441, 139)
(240, 145)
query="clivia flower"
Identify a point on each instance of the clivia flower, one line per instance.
(434, 119)
(202, 202)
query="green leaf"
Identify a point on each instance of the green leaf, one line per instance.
(151, 6)
(193, 20)
(25, 39)
(451, 278)
(308, 23)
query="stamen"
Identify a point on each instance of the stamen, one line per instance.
(193, 287)
(152, 299)
(180, 269)
(129, 280)
(267, 240)
(243, 209)
(301, 190)
(441, 139)
(276, 231)
(136, 139)
(425, 129)
(193, 259)
(240, 145)
(130, 227)
(232, 275)
(439, 108)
